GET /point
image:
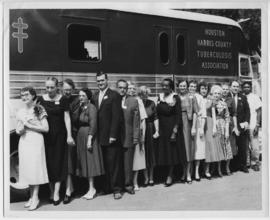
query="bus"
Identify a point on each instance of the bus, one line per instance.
(138, 45)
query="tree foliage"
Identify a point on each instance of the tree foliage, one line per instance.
(251, 28)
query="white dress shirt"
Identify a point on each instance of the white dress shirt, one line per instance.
(101, 96)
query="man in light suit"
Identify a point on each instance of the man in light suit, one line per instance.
(108, 103)
(130, 132)
(242, 132)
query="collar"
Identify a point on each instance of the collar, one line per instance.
(104, 91)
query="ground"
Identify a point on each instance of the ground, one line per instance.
(240, 191)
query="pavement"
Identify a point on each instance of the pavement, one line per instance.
(240, 191)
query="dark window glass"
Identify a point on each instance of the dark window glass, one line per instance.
(84, 43)
(180, 49)
(164, 47)
(244, 67)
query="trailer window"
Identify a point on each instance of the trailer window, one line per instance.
(164, 47)
(180, 49)
(84, 43)
(244, 66)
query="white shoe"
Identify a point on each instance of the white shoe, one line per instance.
(90, 195)
(28, 203)
(34, 205)
(136, 188)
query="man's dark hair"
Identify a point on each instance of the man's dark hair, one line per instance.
(121, 80)
(193, 81)
(100, 73)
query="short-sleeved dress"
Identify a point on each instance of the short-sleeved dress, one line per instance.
(189, 106)
(223, 119)
(150, 142)
(89, 163)
(213, 148)
(200, 141)
(56, 139)
(139, 162)
(32, 159)
(169, 151)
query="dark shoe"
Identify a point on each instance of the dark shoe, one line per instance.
(209, 177)
(130, 191)
(244, 169)
(256, 168)
(55, 203)
(67, 199)
(189, 181)
(220, 175)
(198, 179)
(168, 184)
(51, 201)
(145, 184)
(151, 183)
(117, 195)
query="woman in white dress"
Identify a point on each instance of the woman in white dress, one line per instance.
(32, 122)
(200, 131)
(139, 162)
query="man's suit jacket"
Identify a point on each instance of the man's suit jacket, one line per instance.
(109, 116)
(131, 126)
(242, 110)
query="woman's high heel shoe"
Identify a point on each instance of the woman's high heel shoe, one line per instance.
(28, 203)
(208, 176)
(34, 205)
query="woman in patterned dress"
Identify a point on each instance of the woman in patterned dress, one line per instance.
(214, 146)
(223, 133)
(151, 134)
(189, 109)
(32, 122)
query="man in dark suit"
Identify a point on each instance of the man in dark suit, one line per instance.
(243, 118)
(108, 103)
(130, 132)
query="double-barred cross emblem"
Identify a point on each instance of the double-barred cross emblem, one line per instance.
(20, 35)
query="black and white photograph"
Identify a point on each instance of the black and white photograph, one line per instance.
(147, 109)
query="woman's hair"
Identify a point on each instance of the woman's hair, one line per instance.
(87, 92)
(182, 80)
(171, 84)
(215, 88)
(69, 82)
(143, 89)
(52, 78)
(193, 81)
(31, 90)
(202, 84)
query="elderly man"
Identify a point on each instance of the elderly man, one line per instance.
(130, 132)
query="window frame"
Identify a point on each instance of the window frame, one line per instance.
(159, 35)
(101, 43)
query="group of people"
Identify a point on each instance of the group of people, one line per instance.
(114, 134)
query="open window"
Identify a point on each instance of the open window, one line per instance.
(245, 68)
(84, 43)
